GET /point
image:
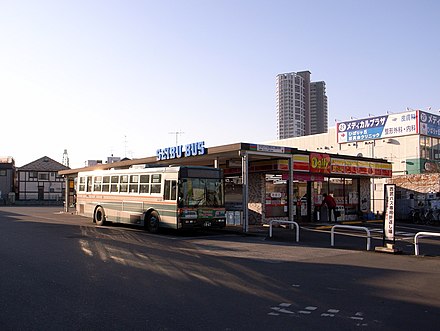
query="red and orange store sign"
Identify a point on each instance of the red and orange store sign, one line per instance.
(366, 168)
(320, 163)
(324, 164)
(317, 165)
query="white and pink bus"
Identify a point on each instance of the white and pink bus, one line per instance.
(176, 197)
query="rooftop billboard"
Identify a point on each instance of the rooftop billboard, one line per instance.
(386, 126)
(429, 124)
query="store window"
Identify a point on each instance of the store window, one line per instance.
(346, 194)
(435, 149)
(351, 205)
(425, 147)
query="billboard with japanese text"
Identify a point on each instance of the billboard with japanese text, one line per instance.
(386, 126)
(429, 124)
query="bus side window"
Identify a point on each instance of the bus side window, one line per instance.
(156, 181)
(114, 184)
(134, 184)
(89, 183)
(106, 184)
(97, 183)
(82, 184)
(123, 183)
(145, 184)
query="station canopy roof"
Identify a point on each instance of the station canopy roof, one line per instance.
(224, 155)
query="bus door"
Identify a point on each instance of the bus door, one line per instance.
(170, 190)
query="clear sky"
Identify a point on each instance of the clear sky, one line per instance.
(109, 77)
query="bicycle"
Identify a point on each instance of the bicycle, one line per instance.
(414, 215)
(427, 216)
(435, 216)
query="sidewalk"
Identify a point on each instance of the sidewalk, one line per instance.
(263, 229)
(314, 234)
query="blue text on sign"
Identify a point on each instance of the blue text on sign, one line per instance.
(176, 152)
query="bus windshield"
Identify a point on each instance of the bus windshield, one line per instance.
(201, 192)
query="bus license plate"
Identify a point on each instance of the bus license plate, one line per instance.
(207, 223)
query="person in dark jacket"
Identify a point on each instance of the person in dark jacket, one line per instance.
(331, 206)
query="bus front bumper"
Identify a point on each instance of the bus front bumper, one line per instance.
(202, 223)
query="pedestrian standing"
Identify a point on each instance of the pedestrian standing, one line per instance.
(331, 206)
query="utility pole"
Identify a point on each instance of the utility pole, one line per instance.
(125, 145)
(177, 133)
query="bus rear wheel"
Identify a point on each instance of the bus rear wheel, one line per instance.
(99, 216)
(153, 222)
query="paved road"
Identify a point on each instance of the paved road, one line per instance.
(58, 271)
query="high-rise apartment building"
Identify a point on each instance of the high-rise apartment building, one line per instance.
(295, 115)
(318, 108)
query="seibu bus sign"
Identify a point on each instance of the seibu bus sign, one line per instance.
(177, 152)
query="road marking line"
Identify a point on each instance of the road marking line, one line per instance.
(285, 311)
(400, 233)
(335, 289)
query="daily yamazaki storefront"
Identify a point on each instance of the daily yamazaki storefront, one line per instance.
(347, 179)
(264, 182)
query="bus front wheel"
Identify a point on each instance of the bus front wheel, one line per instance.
(99, 216)
(153, 222)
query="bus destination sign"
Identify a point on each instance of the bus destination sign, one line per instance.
(177, 152)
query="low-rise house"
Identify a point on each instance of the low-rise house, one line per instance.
(39, 181)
